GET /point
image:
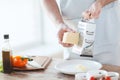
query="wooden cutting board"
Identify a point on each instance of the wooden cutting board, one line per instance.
(43, 60)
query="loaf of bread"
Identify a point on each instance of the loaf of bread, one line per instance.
(71, 38)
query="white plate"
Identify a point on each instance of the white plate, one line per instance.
(76, 66)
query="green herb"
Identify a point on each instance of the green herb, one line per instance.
(29, 59)
(1, 66)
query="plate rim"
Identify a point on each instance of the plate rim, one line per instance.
(73, 73)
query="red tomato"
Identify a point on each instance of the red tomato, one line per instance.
(92, 78)
(18, 61)
(107, 78)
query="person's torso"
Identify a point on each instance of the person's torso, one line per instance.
(74, 8)
(107, 40)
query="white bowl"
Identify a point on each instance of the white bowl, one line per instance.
(96, 73)
(113, 75)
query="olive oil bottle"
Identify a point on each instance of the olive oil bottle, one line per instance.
(7, 55)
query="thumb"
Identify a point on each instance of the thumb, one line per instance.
(86, 14)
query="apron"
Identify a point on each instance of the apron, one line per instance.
(107, 39)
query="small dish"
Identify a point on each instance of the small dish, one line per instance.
(113, 75)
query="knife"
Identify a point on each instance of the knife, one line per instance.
(34, 64)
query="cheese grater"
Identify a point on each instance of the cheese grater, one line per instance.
(86, 28)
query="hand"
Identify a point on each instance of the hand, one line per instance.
(93, 12)
(61, 31)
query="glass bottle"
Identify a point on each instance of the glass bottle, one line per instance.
(6, 55)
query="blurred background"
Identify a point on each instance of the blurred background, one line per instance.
(31, 31)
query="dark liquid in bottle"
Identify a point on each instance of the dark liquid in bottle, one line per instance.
(7, 61)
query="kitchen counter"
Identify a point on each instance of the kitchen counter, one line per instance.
(48, 74)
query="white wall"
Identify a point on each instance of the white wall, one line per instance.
(26, 24)
(19, 19)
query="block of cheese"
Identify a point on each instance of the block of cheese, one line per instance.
(71, 38)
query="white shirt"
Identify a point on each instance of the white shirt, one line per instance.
(107, 39)
(74, 8)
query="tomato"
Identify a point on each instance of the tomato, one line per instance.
(18, 61)
(92, 78)
(107, 78)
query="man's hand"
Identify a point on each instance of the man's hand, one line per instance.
(95, 9)
(93, 12)
(63, 28)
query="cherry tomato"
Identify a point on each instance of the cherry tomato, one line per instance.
(92, 78)
(18, 61)
(107, 78)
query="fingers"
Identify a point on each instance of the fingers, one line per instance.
(61, 34)
(95, 13)
(86, 15)
(92, 13)
(65, 44)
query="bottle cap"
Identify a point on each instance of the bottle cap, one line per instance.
(6, 36)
